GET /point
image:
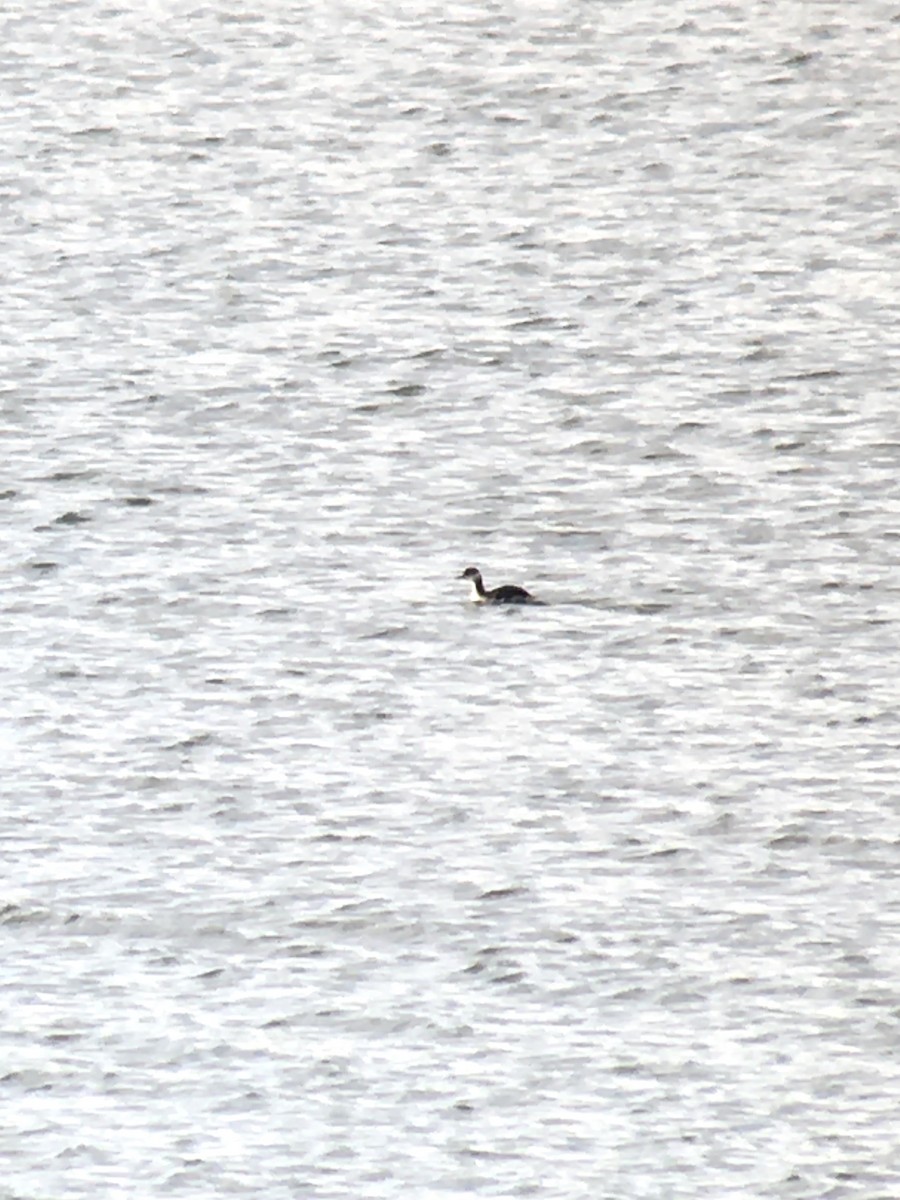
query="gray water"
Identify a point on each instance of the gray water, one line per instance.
(318, 880)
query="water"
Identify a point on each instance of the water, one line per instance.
(319, 881)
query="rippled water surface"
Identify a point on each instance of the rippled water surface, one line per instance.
(318, 880)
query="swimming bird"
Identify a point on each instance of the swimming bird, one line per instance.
(508, 594)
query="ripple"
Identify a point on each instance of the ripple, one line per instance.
(297, 838)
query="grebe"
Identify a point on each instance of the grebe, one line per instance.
(508, 594)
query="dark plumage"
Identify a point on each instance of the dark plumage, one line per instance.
(508, 594)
